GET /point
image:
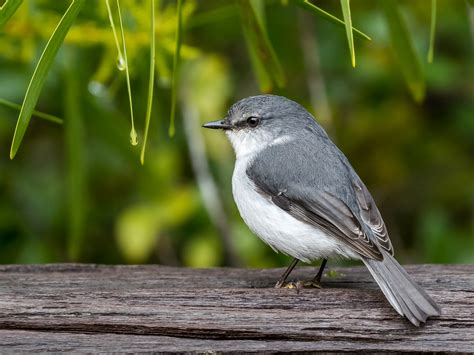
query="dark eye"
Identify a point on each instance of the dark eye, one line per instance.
(253, 121)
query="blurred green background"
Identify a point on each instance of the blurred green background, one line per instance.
(77, 191)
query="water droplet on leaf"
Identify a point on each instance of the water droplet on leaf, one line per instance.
(121, 65)
(133, 137)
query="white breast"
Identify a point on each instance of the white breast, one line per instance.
(275, 226)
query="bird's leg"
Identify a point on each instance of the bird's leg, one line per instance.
(281, 281)
(317, 278)
(316, 281)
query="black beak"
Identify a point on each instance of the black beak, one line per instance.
(221, 124)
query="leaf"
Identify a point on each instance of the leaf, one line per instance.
(327, 16)
(346, 12)
(176, 60)
(7, 10)
(151, 79)
(432, 31)
(114, 31)
(264, 59)
(122, 64)
(408, 58)
(41, 70)
(44, 116)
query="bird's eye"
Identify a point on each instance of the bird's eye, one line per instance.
(253, 121)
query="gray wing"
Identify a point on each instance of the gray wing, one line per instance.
(316, 184)
(370, 215)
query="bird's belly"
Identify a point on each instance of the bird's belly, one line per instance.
(278, 228)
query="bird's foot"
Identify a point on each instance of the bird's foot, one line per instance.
(298, 285)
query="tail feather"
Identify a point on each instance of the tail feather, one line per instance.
(404, 294)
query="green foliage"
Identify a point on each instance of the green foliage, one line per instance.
(7, 10)
(408, 58)
(432, 31)
(176, 61)
(77, 191)
(44, 116)
(264, 60)
(42, 69)
(346, 11)
(331, 18)
(151, 80)
(122, 64)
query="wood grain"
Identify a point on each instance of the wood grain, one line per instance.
(90, 308)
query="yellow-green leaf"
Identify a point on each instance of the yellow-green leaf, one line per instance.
(7, 10)
(327, 16)
(151, 79)
(44, 116)
(122, 64)
(176, 60)
(346, 12)
(41, 70)
(265, 62)
(408, 58)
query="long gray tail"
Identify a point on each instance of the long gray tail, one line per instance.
(404, 294)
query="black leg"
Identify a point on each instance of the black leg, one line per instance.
(317, 278)
(287, 272)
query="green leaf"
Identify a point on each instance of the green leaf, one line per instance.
(44, 116)
(41, 70)
(346, 12)
(122, 64)
(176, 60)
(151, 79)
(7, 10)
(327, 16)
(264, 59)
(432, 31)
(408, 58)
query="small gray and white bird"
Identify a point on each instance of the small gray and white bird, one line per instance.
(298, 192)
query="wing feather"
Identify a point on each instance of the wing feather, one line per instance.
(371, 216)
(329, 214)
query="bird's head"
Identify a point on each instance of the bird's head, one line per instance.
(256, 122)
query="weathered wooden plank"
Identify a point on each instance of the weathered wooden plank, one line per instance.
(149, 308)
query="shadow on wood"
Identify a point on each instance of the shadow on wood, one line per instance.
(91, 308)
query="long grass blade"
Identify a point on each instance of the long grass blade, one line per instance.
(346, 12)
(122, 63)
(327, 16)
(39, 114)
(7, 10)
(41, 70)
(432, 31)
(266, 63)
(176, 61)
(151, 79)
(114, 31)
(408, 58)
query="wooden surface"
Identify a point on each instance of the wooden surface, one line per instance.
(90, 308)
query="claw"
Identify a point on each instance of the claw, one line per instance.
(298, 285)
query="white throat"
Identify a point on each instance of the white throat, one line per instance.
(247, 144)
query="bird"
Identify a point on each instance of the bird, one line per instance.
(298, 192)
